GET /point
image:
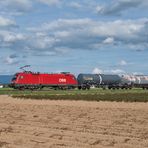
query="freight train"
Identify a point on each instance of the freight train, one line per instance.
(64, 80)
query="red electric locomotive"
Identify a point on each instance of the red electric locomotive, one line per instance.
(30, 80)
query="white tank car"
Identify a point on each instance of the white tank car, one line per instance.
(143, 79)
(135, 80)
(127, 79)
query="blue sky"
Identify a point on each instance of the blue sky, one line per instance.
(81, 36)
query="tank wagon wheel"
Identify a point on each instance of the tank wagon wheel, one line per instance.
(109, 87)
(83, 88)
(88, 87)
(103, 87)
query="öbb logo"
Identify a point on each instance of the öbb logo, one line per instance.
(62, 80)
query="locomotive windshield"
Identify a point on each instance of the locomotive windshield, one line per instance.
(14, 77)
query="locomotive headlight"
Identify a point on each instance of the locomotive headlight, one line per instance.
(21, 77)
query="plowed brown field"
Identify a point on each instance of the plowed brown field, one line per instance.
(72, 124)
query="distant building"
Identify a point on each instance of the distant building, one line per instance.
(1, 86)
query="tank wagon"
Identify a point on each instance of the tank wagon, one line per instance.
(140, 81)
(85, 81)
(30, 80)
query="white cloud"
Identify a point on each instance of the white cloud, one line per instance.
(109, 40)
(75, 5)
(64, 24)
(50, 2)
(123, 63)
(119, 6)
(16, 5)
(97, 71)
(4, 22)
(108, 71)
(41, 43)
(13, 37)
(73, 32)
(116, 71)
(99, 8)
(10, 60)
(137, 73)
(119, 28)
(12, 40)
(7, 36)
(62, 34)
(78, 34)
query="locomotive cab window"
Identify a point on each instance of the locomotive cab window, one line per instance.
(14, 78)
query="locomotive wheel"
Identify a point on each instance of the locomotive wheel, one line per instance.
(21, 88)
(63, 88)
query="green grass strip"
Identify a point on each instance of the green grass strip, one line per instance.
(126, 97)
